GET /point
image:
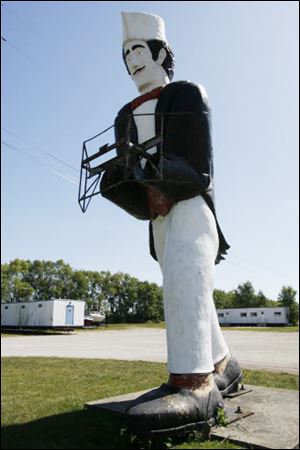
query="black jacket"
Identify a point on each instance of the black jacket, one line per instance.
(186, 157)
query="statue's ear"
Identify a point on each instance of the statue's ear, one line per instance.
(161, 56)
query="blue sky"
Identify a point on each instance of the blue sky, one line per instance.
(63, 81)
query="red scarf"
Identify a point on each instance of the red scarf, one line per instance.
(143, 98)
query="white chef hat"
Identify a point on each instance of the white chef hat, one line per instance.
(144, 26)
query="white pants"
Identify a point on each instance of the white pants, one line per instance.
(186, 245)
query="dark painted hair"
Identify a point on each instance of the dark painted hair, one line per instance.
(155, 47)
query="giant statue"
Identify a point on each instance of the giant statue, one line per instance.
(164, 174)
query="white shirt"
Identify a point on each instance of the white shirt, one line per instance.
(146, 124)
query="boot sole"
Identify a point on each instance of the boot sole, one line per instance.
(203, 426)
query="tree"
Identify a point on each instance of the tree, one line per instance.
(14, 287)
(294, 313)
(5, 289)
(244, 295)
(149, 305)
(223, 299)
(50, 279)
(287, 297)
(261, 300)
(21, 291)
(79, 282)
(89, 287)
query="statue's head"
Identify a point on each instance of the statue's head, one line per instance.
(146, 53)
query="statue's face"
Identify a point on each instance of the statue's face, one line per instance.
(145, 72)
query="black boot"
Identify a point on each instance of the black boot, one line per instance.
(175, 408)
(228, 379)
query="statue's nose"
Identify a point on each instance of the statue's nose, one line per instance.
(134, 59)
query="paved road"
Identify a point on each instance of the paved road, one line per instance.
(261, 350)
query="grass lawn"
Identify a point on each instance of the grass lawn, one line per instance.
(43, 401)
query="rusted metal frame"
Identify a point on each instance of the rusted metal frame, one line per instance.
(84, 199)
(132, 150)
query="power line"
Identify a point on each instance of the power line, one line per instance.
(17, 49)
(251, 271)
(53, 169)
(251, 263)
(16, 16)
(39, 149)
(263, 271)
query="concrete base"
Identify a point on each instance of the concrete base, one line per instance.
(275, 423)
(264, 417)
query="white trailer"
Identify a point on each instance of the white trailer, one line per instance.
(254, 316)
(54, 313)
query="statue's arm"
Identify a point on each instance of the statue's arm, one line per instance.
(186, 163)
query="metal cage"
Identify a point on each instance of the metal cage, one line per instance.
(93, 166)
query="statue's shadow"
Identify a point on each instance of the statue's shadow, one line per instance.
(83, 429)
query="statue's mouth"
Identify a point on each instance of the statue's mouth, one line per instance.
(139, 70)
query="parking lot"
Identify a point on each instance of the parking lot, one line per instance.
(254, 350)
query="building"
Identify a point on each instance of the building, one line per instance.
(253, 316)
(54, 313)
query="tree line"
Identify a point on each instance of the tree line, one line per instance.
(121, 297)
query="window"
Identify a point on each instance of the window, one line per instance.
(23, 306)
(220, 314)
(6, 307)
(262, 312)
(243, 314)
(40, 306)
(277, 313)
(253, 314)
(227, 314)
